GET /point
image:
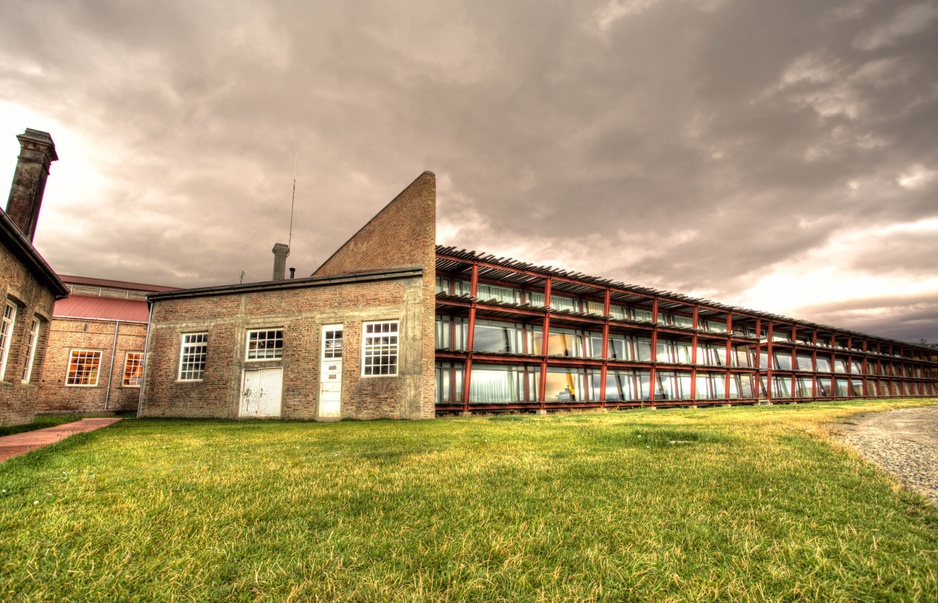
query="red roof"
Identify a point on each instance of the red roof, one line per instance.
(103, 282)
(106, 308)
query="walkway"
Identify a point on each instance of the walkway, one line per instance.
(902, 442)
(21, 443)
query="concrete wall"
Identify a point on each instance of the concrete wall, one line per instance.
(300, 312)
(67, 334)
(33, 300)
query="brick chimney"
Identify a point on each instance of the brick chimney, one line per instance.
(37, 152)
(281, 252)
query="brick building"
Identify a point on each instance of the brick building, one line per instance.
(354, 340)
(94, 358)
(28, 286)
(471, 332)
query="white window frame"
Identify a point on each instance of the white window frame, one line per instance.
(373, 347)
(187, 342)
(331, 352)
(276, 351)
(71, 360)
(31, 345)
(6, 335)
(138, 363)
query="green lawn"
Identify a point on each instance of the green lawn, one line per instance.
(741, 504)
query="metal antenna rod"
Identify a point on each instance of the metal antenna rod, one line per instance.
(292, 202)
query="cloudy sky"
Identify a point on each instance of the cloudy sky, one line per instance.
(777, 155)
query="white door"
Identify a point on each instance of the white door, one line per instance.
(330, 377)
(261, 392)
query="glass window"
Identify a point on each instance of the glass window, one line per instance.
(533, 298)
(494, 384)
(32, 344)
(6, 335)
(595, 307)
(564, 384)
(192, 356)
(643, 347)
(804, 361)
(133, 369)
(83, 367)
(594, 344)
(803, 387)
(497, 337)
(618, 312)
(449, 382)
(332, 342)
(265, 344)
(642, 315)
(840, 364)
(505, 295)
(782, 360)
(380, 348)
(679, 320)
(561, 302)
(442, 285)
(823, 364)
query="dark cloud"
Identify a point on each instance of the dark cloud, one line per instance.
(695, 146)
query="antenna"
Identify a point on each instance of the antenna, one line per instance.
(292, 202)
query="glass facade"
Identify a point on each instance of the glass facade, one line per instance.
(640, 347)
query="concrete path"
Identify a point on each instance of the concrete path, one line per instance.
(21, 443)
(902, 442)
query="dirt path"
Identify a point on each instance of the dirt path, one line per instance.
(903, 442)
(21, 443)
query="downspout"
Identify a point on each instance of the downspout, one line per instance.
(110, 377)
(146, 356)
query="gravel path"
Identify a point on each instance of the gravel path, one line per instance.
(903, 442)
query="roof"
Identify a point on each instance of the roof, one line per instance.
(102, 308)
(103, 282)
(21, 247)
(297, 283)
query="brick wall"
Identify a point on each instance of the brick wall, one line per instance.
(301, 312)
(33, 300)
(67, 334)
(402, 234)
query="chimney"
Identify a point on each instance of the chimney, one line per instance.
(37, 152)
(281, 252)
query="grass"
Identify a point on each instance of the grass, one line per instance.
(740, 504)
(40, 422)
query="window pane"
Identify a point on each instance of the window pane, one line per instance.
(83, 367)
(192, 356)
(265, 345)
(380, 348)
(133, 369)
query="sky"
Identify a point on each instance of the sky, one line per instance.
(780, 156)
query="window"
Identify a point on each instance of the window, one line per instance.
(133, 369)
(379, 348)
(31, 351)
(6, 336)
(332, 350)
(83, 368)
(265, 344)
(192, 356)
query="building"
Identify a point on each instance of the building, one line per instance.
(94, 357)
(614, 345)
(368, 336)
(28, 286)
(354, 340)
